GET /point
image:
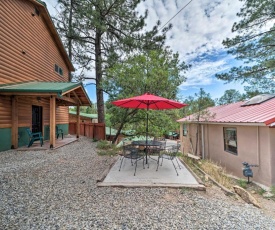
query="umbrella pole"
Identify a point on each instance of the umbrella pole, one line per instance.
(146, 133)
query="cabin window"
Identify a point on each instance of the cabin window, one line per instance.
(58, 69)
(185, 130)
(230, 140)
(36, 11)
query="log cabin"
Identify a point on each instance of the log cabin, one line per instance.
(35, 87)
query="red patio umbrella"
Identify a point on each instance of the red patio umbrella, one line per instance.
(148, 101)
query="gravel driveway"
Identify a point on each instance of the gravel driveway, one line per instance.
(57, 190)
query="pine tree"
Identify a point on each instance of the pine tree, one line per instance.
(230, 96)
(103, 31)
(254, 46)
(158, 72)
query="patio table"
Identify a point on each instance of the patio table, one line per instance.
(146, 144)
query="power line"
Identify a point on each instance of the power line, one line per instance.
(176, 14)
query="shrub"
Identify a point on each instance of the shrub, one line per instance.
(103, 144)
(106, 148)
(242, 183)
(261, 191)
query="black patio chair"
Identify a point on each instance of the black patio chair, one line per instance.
(133, 153)
(155, 150)
(170, 153)
(34, 137)
(58, 131)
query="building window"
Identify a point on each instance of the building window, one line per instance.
(58, 69)
(184, 129)
(230, 140)
(36, 11)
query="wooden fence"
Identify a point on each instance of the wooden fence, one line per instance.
(92, 130)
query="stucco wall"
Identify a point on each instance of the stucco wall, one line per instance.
(249, 149)
(272, 154)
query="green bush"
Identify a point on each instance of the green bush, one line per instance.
(108, 152)
(261, 191)
(103, 144)
(242, 183)
(107, 149)
(272, 189)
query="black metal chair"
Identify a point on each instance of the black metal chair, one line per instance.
(34, 137)
(58, 131)
(131, 152)
(153, 150)
(170, 153)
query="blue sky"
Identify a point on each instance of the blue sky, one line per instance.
(197, 34)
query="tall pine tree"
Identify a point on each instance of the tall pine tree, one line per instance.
(102, 32)
(254, 46)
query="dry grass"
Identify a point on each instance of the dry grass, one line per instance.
(217, 173)
(212, 169)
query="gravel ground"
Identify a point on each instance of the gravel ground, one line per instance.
(57, 190)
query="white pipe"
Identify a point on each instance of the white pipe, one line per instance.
(202, 141)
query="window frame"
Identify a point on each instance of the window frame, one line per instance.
(233, 149)
(184, 130)
(58, 70)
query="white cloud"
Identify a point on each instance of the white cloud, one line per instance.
(197, 30)
(192, 27)
(201, 73)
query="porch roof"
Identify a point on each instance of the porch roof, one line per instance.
(69, 93)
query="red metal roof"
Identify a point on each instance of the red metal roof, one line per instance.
(235, 113)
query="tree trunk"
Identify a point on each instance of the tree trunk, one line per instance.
(118, 132)
(70, 36)
(98, 72)
(123, 122)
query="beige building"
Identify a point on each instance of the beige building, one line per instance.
(235, 133)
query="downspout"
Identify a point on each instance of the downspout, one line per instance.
(181, 138)
(258, 146)
(202, 141)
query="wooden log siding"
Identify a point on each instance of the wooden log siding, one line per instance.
(25, 111)
(62, 115)
(21, 31)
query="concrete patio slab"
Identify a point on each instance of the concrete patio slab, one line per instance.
(166, 175)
